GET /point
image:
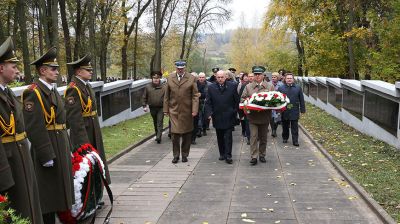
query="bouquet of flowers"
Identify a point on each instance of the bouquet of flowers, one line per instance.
(272, 100)
(8, 215)
(87, 169)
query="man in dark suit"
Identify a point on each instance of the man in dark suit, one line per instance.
(221, 105)
(291, 116)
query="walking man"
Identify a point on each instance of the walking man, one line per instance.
(290, 117)
(276, 116)
(258, 121)
(17, 174)
(153, 96)
(45, 119)
(221, 105)
(181, 104)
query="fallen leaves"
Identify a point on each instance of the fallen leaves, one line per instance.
(248, 221)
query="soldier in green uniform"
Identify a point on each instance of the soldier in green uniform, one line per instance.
(17, 176)
(80, 103)
(45, 119)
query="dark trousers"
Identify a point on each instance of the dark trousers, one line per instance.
(177, 147)
(49, 218)
(224, 138)
(158, 120)
(274, 125)
(195, 127)
(294, 129)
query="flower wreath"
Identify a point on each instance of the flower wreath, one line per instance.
(84, 163)
(272, 100)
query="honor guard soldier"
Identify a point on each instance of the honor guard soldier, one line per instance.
(80, 103)
(45, 119)
(17, 175)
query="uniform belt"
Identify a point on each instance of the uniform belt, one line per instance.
(54, 127)
(91, 114)
(13, 138)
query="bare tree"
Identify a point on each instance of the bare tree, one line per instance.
(20, 11)
(203, 13)
(128, 29)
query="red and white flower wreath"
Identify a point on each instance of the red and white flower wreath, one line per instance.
(272, 100)
(82, 165)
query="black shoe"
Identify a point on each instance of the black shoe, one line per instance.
(99, 207)
(253, 161)
(229, 160)
(284, 141)
(169, 135)
(204, 133)
(101, 203)
(221, 158)
(296, 144)
(184, 159)
(193, 143)
(262, 159)
(175, 160)
(158, 141)
(273, 133)
(207, 129)
(199, 134)
(248, 141)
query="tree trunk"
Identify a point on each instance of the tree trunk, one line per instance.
(67, 39)
(2, 36)
(78, 29)
(20, 11)
(43, 16)
(157, 58)
(183, 47)
(135, 57)
(54, 23)
(124, 58)
(299, 56)
(92, 37)
(352, 63)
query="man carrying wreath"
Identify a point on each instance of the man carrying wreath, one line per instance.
(258, 120)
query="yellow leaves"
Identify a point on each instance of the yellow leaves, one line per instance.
(352, 197)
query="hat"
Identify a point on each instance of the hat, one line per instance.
(180, 64)
(49, 59)
(83, 63)
(258, 69)
(232, 69)
(7, 53)
(156, 75)
(215, 70)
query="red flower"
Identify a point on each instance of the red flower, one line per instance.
(76, 167)
(259, 95)
(265, 95)
(284, 95)
(283, 109)
(276, 95)
(3, 199)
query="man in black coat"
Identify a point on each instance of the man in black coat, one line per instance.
(291, 116)
(221, 105)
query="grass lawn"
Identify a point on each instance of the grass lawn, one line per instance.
(117, 137)
(374, 164)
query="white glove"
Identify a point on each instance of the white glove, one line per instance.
(145, 109)
(49, 163)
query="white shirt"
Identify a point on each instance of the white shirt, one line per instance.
(84, 82)
(3, 87)
(48, 85)
(179, 78)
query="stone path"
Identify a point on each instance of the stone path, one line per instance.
(296, 185)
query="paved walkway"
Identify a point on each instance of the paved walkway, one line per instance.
(296, 185)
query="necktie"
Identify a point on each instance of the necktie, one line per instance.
(53, 96)
(180, 77)
(9, 98)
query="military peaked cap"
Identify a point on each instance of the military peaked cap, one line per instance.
(258, 69)
(180, 63)
(215, 70)
(7, 53)
(83, 63)
(49, 59)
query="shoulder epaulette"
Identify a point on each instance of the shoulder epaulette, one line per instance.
(32, 86)
(72, 84)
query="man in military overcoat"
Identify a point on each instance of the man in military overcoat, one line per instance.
(17, 175)
(45, 120)
(181, 104)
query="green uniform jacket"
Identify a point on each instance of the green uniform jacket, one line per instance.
(153, 95)
(17, 174)
(84, 129)
(257, 117)
(55, 183)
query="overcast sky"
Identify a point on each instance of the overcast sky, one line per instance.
(253, 10)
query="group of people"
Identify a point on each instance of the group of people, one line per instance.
(37, 177)
(192, 100)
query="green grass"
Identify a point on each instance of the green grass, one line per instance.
(117, 137)
(374, 164)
